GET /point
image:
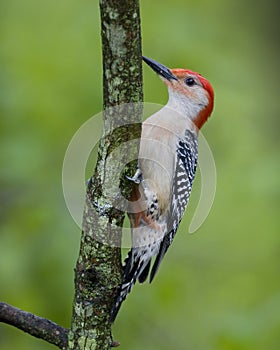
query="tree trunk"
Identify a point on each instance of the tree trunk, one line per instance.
(98, 268)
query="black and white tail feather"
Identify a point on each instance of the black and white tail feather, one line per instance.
(137, 265)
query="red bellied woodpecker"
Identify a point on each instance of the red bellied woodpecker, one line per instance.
(166, 169)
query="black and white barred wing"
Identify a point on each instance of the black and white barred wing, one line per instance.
(185, 168)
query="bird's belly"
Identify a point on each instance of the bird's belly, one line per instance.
(157, 164)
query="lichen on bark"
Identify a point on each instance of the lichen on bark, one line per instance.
(98, 268)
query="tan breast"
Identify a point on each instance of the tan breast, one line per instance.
(158, 151)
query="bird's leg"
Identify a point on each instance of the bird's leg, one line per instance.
(137, 177)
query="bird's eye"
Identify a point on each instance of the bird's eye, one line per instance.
(190, 81)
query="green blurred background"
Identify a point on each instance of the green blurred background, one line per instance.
(218, 289)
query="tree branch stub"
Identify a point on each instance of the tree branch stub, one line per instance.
(34, 325)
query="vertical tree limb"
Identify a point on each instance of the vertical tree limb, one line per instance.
(98, 269)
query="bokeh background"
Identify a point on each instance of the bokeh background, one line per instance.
(218, 289)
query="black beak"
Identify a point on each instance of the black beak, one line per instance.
(159, 69)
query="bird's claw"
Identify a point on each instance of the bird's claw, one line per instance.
(136, 178)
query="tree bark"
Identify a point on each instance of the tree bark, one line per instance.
(34, 325)
(98, 269)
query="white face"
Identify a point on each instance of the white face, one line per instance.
(187, 96)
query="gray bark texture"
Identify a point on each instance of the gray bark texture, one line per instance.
(98, 268)
(34, 325)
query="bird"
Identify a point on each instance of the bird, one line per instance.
(162, 184)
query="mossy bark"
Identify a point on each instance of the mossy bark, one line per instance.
(98, 268)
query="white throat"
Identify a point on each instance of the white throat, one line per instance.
(187, 106)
